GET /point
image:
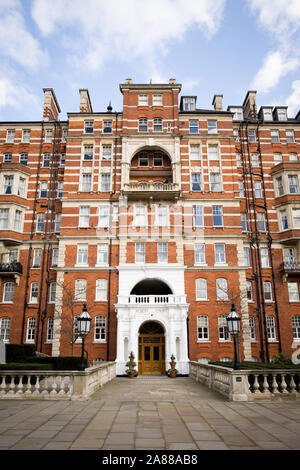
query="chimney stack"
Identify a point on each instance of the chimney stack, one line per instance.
(85, 102)
(249, 105)
(51, 107)
(218, 102)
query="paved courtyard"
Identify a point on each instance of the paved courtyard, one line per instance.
(149, 413)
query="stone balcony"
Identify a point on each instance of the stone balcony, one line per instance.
(152, 299)
(152, 190)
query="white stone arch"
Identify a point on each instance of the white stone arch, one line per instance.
(148, 278)
(153, 148)
(160, 321)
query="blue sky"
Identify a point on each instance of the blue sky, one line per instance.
(219, 46)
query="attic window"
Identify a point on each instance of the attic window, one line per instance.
(189, 104)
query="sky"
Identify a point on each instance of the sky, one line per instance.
(211, 47)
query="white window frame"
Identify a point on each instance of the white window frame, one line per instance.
(50, 330)
(201, 289)
(162, 252)
(106, 152)
(80, 290)
(100, 329)
(82, 254)
(195, 151)
(5, 325)
(202, 328)
(84, 216)
(102, 254)
(10, 136)
(37, 258)
(86, 186)
(199, 254)
(40, 219)
(222, 289)
(140, 252)
(101, 290)
(8, 292)
(224, 336)
(157, 100)
(34, 293)
(220, 255)
(105, 182)
(249, 291)
(104, 216)
(252, 328)
(198, 215)
(296, 327)
(48, 136)
(212, 126)
(30, 331)
(293, 290)
(264, 256)
(162, 215)
(143, 100)
(271, 328)
(52, 292)
(268, 293)
(217, 211)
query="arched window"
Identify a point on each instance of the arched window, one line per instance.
(5, 329)
(100, 328)
(143, 125)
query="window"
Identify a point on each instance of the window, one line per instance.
(143, 100)
(196, 181)
(238, 114)
(264, 256)
(84, 216)
(106, 152)
(13, 255)
(22, 187)
(157, 159)
(238, 160)
(162, 215)
(215, 182)
(249, 291)
(4, 329)
(290, 137)
(10, 136)
(157, 125)
(162, 252)
(102, 254)
(213, 152)
(189, 104)
(254, 160)
(293, 292)
(222, 289)
(236, 135)
(268, 291)
(88, 152)
(157, 100)
(107, 127)
(296, 326)
(4, 213)
(143, 125)
(40, 220)
(8, 184)
(201, 289)
(293, 157)
(64, 135)
(8, 292)
(252, 135)
(63, 159)
(281, 115)
(220, 254)
(34, 293)
(37, 256)
(202, 328)
(140, 252)
(50, 329)
(43, 189)
(86, 185)
(244, 221)
(143, 160)
(271, 328)
(289, 257)
(89, 127)
(293, 184)
(200, 253)
(296, 218)
(194, 151)
(80, 290)
(275, 137)
(193, 127)
(101, 290)
(100, 328)
(261, 222)
(258, 189)
(198, 220)
(82, 254)
(212, 127)
(279, 186)
(24, 158)
(31, 324)
(223, 329)
(46, 160)
(217, 212)
(252, 328)
(48, 136)
(60, 186)
(169, 127)
(140, 219)
(277, 158)
(246, 256)
(54, 256)
(57, 223)
(103, 216)
(52, 292)
(7, 158)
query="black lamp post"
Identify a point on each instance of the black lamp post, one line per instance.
(83, 328)
(234, 327)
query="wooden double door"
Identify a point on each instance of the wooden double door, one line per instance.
(151, 354)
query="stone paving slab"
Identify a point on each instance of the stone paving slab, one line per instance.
(150, 414)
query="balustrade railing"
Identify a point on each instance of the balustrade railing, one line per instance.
(151, 187)
(156, 299)
(13, 267)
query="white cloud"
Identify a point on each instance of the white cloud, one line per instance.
(275, 66)
(99, 30)
(16, 42)
(293, 100)
(13, 94)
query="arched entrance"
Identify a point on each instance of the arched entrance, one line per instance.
(151, 360)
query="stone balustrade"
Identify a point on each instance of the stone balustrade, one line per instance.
(55, 385)
(249, 385)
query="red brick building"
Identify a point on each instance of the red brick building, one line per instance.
(158, 218)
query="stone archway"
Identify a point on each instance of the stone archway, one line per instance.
(151, 349)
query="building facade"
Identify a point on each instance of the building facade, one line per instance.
(158, 218)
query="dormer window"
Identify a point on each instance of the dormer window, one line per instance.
(281, 114)
(268, 115)
(189, 104)
(238, 114)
